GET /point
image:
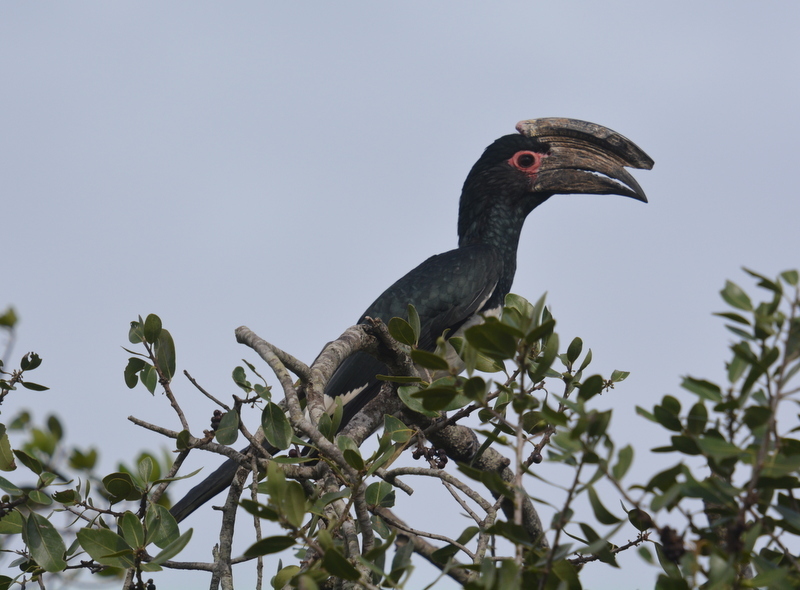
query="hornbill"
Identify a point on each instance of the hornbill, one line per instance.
(454, 290)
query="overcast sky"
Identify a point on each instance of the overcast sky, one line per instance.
(278, 165)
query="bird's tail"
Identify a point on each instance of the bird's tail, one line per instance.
(218, 481)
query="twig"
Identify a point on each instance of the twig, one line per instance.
(205, 393)
(398, 524)
(446, 478)
(641, 538)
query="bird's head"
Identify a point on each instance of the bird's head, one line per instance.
(547, 157)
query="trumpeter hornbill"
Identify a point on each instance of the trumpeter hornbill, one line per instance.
(451, 291)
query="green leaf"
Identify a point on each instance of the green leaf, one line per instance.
(664, 480)
(136, 332)
(545, 361)
(162, 528)
(152, 328)
(145, 467)
(45, 543)
(756, 416)
(132, 529)
(165, 354)
(590, 387)
(338, 413)
(474, 360)
(240, 378)
(702, 388)
(284, 575)
(617, 376)
(736, 297)
(407, 394)
(9, 487)
(134, 365)
(429, 360)
(396, 430)
(495, 340)
(736, 368)
(684, 444)
(600, 512)
(541, 331)
(414, 322)
(568, 574)
(735, 317)
(624, 461)
(7, 462)
(698, 416)
(717, 448)
(9, 318)
(260, 510)
(276, 481)
(121, 487)
(588, 359)
(324, 426)
(790, 276)
(513, 532)
(182, 442)
(149, 378)
(106, 547)
(67, 497)
(524, 316)
(597, 545)
(33, 386)
(742, 349)
(667, 419)
(640, 519)
(475, 388)
(436, 398)
(764, 281)
(228, 430)
(351, 453)
(293, 503)
(13, 523)
(30, 361)
(402, 331)
(277, 428)
(269, 545)
(39, 497)
(574, 349)
(173, 548)
(329, 497)
(336, 565)
(380, 493)
(29, 461)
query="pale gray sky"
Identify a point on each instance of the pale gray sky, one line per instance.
(224, 164)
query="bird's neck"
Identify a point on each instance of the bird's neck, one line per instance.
(499, 227)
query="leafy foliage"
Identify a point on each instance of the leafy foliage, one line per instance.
(723, 515)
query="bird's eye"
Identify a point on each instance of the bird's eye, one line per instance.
(526, 160)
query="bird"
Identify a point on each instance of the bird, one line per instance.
(459, 288)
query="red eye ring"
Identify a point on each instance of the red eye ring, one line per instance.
(526, 160)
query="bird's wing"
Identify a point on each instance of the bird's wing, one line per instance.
(446, 290)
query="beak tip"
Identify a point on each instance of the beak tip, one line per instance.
(646, 163)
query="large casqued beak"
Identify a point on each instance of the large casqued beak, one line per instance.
(585, 158)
